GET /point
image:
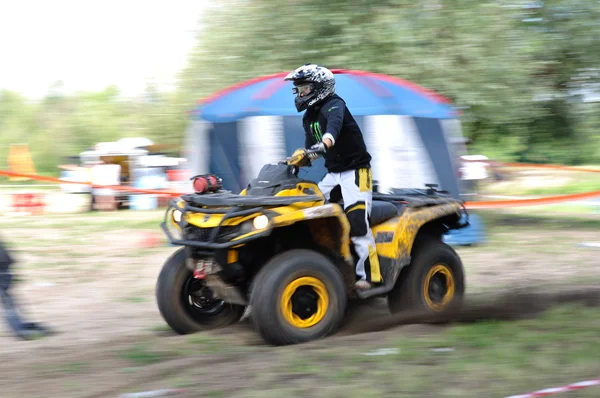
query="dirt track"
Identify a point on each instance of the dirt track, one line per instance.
(46, 367)
(97, 292)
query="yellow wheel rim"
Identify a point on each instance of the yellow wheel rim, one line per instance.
(322, 302)
(438, 304)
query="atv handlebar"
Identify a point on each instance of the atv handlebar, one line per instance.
(307, 153)
(295, 169)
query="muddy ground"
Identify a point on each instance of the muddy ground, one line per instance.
(92, 281)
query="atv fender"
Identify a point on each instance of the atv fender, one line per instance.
(394, 238)
(332, 213)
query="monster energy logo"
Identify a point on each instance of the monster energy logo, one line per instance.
(316, 130)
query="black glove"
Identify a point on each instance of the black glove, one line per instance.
(299, 158)
(317, 150)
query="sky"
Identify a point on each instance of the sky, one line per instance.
(90, 45)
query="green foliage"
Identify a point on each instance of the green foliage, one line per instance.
(141, 356)
(61, 126)
(494, 60)
(513, 70)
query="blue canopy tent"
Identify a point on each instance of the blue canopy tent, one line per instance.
(411, 132)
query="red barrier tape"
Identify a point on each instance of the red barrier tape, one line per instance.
(531, 165)
(556, 390)
(468, 205)
(546, 166)
(532, 202)
(113, 187)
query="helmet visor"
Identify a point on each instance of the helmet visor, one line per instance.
(303, 89)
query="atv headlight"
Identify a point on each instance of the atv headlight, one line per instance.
(176, 216)
(260, 222)
(256, 224)
(172, 226)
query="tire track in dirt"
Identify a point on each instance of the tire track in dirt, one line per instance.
(519, 303)
(369, 322)
(373, 319)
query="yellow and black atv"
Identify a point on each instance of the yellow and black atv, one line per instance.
(282, 250)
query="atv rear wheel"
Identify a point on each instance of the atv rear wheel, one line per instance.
(186, 303)
(297, 296)
(434, 281)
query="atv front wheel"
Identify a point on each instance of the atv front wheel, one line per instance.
(186, 303)
(434, 281)
(296, 297)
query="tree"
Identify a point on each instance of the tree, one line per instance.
(484, 55)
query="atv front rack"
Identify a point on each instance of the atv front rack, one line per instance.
(231, 206)
(211, 243)
(228, 199)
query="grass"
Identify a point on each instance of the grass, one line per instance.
(508, 221)
(160, 328)
(482, 359)
(544, 182)
(574, 208)
(134, 299)
(69, 241)
(202, 343)
(200, 339)
(74, 367)
(569, 188)
(7, 185)
(488, 358)
(141, 355)
(123, 219)
(300, 365)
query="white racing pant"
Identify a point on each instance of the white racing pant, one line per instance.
(357, 194)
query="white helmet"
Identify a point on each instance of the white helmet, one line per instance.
(314, 81)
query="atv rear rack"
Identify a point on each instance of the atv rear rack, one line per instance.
(423, 198)
(416, 200)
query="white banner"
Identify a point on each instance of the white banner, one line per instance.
(261, 141)
(400, 160)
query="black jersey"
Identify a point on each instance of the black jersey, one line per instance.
(332, 119)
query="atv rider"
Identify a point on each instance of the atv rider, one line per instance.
(332, 131)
